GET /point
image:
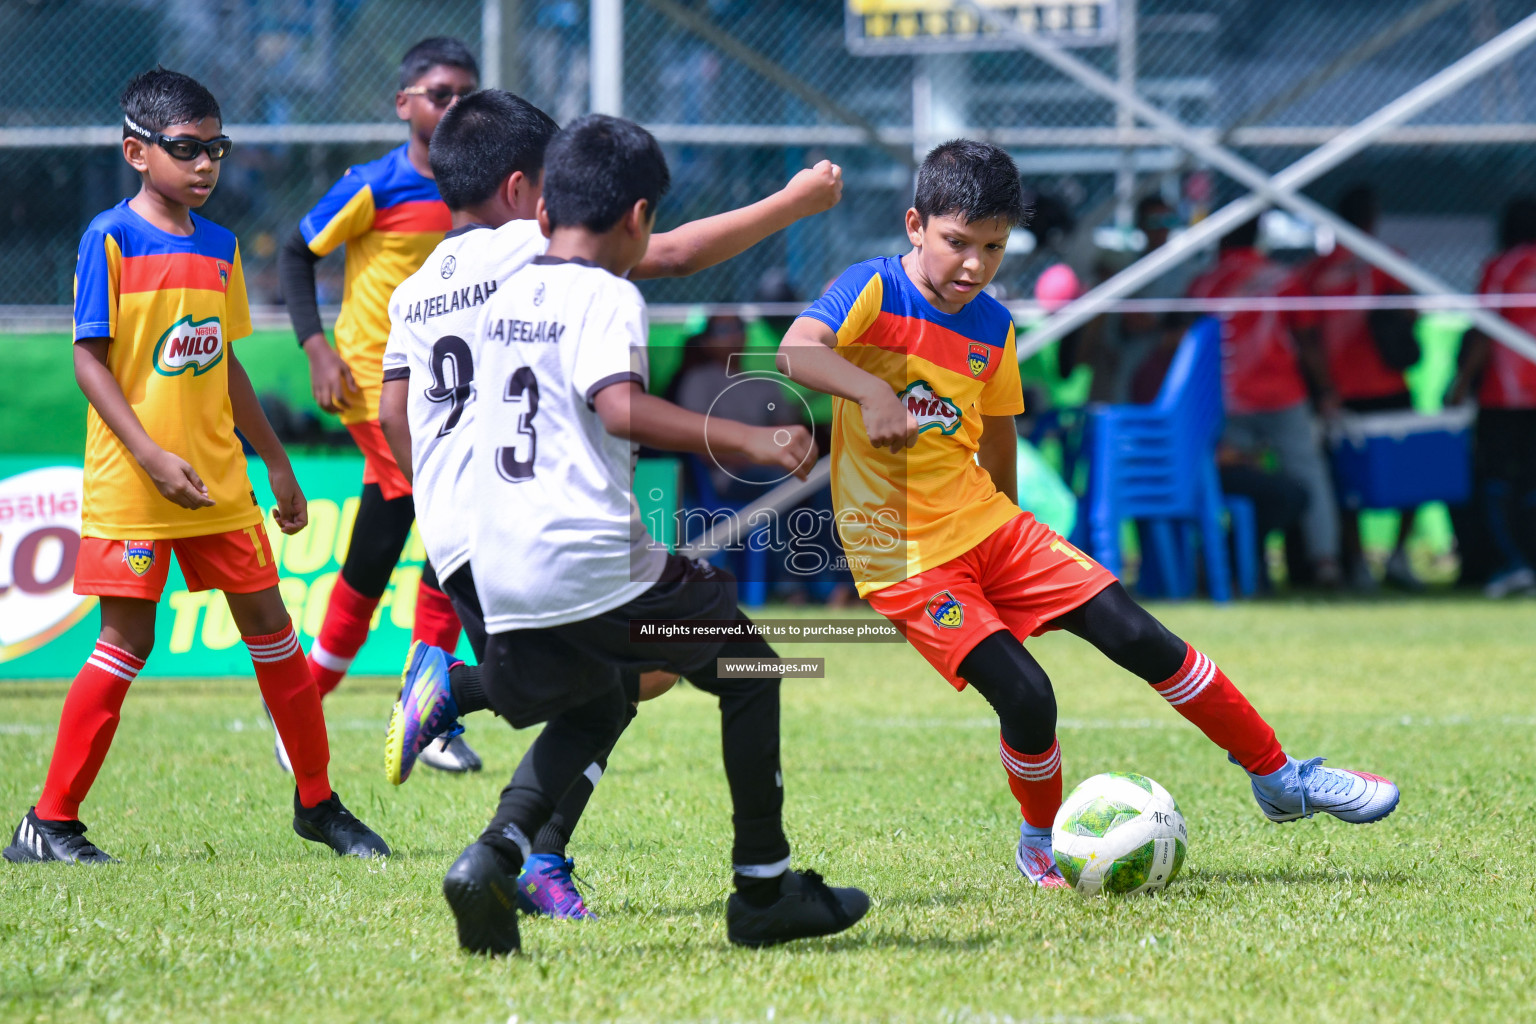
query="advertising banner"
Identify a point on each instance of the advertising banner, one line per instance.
(47, 632)
(877, 28)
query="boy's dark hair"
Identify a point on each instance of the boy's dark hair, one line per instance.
(439, 51)
(598, 168)
(1517, 226)
(482, 140)
(1244, 236)
(158, 99)
(1359, 206)
(970, 180)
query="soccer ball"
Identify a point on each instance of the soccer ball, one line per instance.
(1119, 833)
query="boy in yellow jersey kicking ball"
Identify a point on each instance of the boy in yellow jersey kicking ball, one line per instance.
(922, 364)
(389, 217)
(159, 298)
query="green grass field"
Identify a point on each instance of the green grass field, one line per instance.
(220, 913)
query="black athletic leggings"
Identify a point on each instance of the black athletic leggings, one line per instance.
(378, 536)
(1018, 689)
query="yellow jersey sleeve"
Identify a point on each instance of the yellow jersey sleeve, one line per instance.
(1003, 395)
(851, 305)
(237, 309)
(342, 214)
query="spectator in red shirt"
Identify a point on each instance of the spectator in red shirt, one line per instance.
(1262, 356)
(1357, 343)
(1504, 383)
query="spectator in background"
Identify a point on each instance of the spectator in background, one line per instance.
(1263, 353)
(1137, 342)
(1279, 502)
(1367, 352)
(1504, 383)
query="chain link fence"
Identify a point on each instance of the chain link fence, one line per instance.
(743, 93)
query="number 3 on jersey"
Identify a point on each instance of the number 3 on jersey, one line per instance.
(515, 461)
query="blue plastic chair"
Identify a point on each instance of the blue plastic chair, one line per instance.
(1157, 464)
(751, 565)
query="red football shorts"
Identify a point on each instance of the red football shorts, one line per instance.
(237, 562)
(379, 465)
(1019, 579)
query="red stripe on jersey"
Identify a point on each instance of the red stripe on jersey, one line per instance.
(944, 348)
(169, 270)
(420, 216)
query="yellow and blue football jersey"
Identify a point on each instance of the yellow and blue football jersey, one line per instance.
(390, 218)
(901, 514)
(171, 305)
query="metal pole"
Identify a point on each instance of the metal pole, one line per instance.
(490, 44)
(607, 57)
(1125, 120)
(1281, 188)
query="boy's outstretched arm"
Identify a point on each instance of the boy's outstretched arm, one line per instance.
(292, 511)
(806, 357)
(627, 411)
(172, 475)
(710, 240)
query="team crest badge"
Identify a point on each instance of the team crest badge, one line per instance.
(139, 555)
(223, 274)
(980, 355)
(945, 611)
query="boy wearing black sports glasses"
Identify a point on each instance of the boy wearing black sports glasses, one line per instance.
(388, 216)
(159, 301)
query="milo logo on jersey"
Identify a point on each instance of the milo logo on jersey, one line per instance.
(195, 345)
(933, 411)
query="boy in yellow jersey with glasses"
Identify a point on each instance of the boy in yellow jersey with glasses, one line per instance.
(159, 298)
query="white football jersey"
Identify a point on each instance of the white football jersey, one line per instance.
(556, 534)
(433, 318)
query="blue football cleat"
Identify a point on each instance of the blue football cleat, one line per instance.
(1035, 862)
(545, 887)
(1302, 788)
(424, 711)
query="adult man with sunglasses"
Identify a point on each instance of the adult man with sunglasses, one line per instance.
(388, 215)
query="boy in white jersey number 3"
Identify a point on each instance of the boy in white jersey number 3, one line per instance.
(487, 159)
(560, 372)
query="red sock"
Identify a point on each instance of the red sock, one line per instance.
(291, 696)
(1036, 782)
(436, 622)
(347, 617)
(86, 726)
(1202, 693)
